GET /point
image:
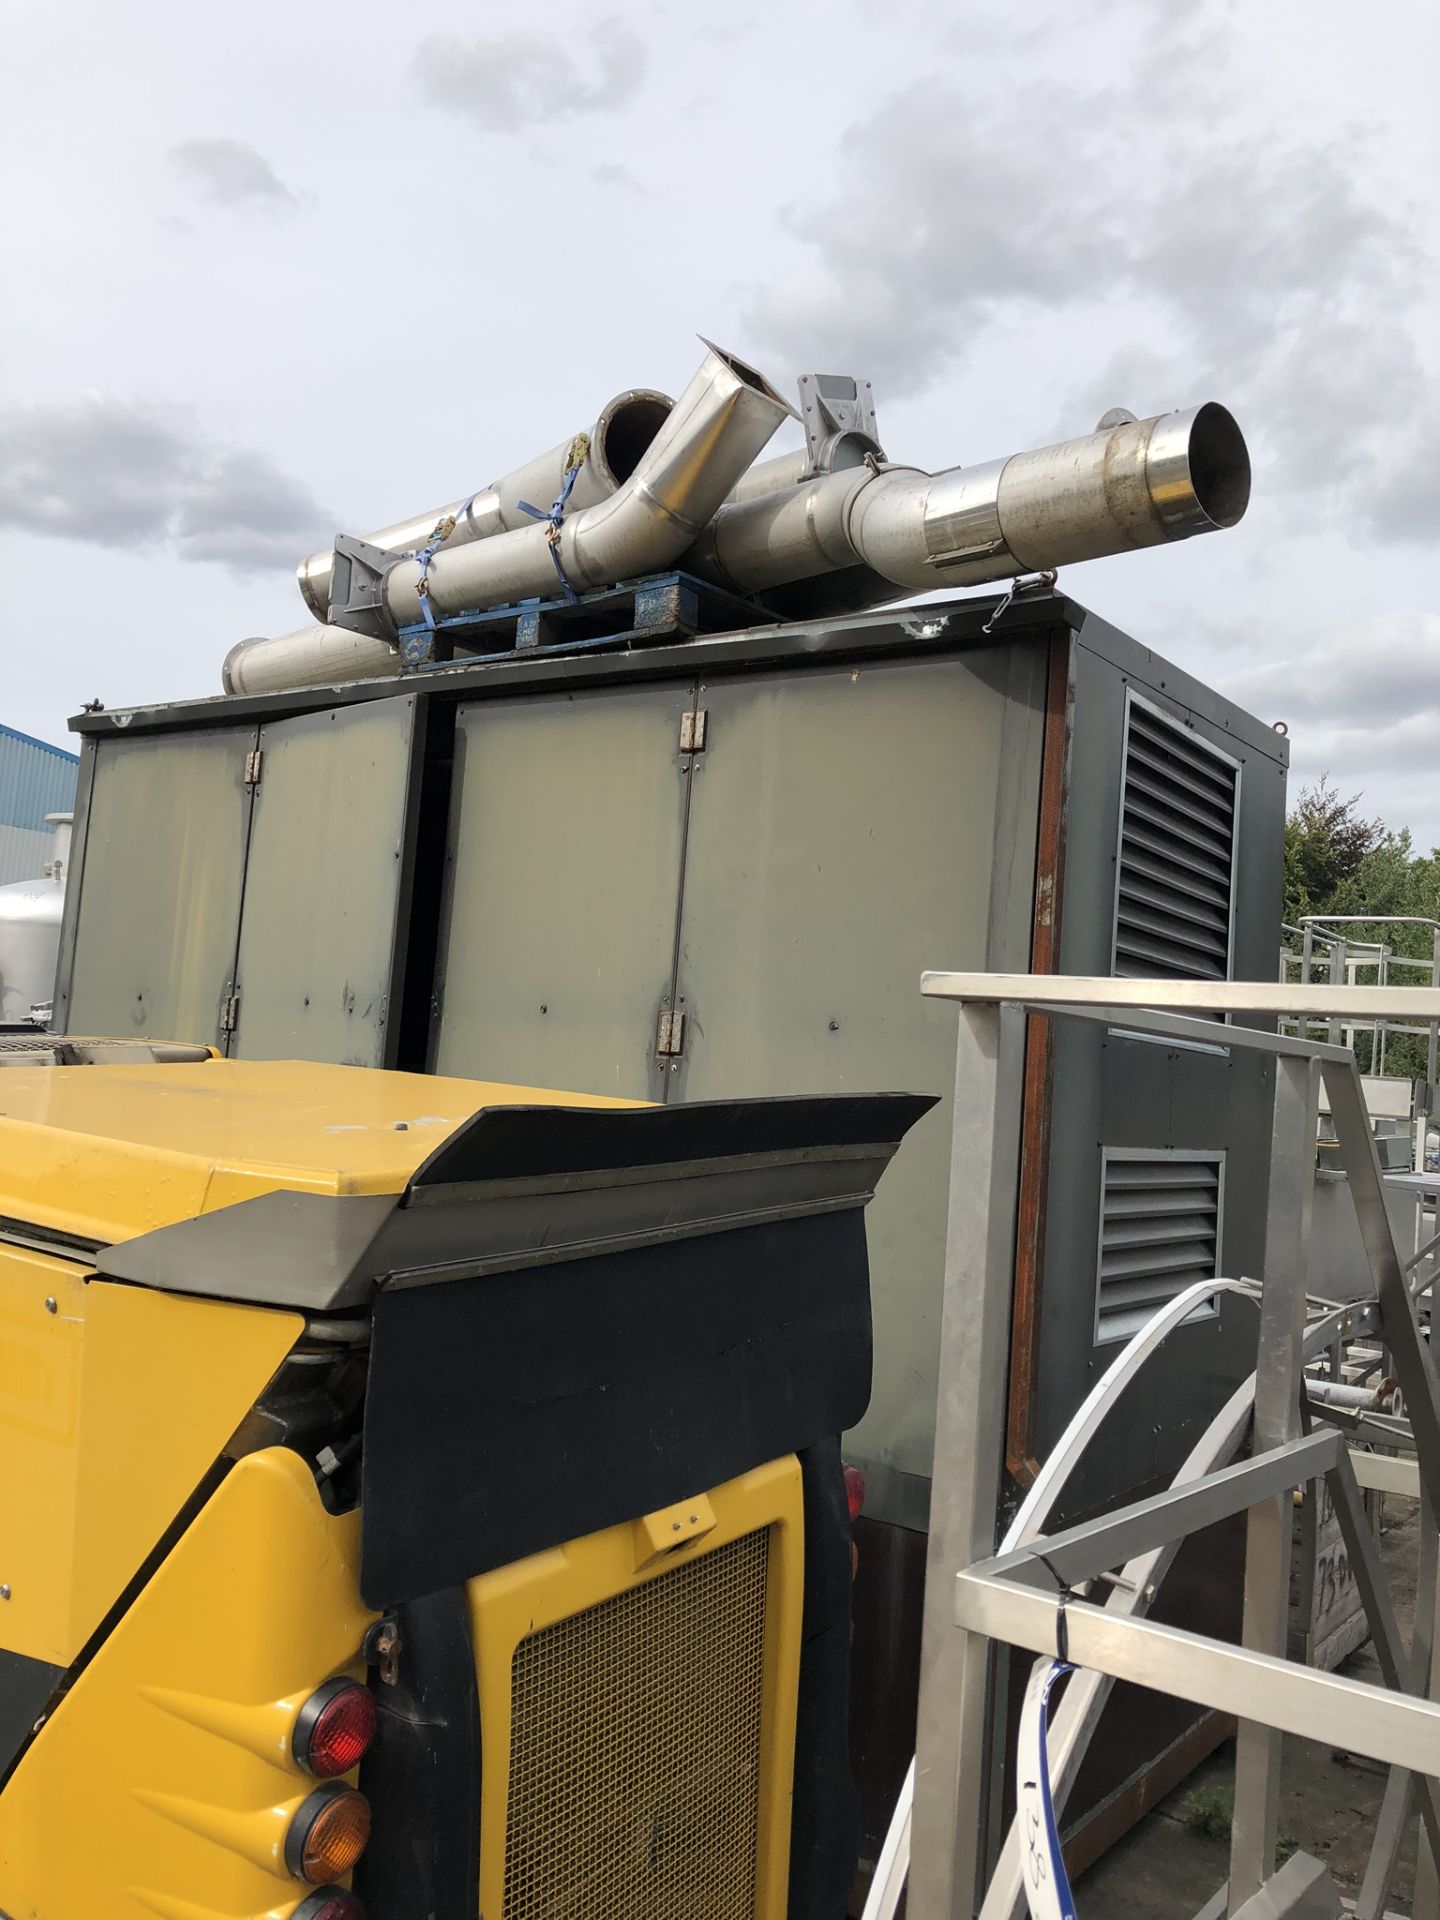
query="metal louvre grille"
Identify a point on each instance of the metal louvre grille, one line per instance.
(1177, 854)
(1159, 1233)
(636, 1748)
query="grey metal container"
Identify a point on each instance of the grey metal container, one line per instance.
(719, 868)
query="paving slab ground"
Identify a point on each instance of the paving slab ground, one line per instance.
(1164, 1869)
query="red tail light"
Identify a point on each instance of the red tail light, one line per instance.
(854, 1491)
(330, 1903)
(334, 1729)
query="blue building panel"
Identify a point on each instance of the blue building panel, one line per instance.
(35, 779)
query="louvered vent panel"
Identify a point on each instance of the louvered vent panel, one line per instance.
(1177, 836)
(1159, 1233)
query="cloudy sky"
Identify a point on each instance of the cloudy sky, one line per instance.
(275, 270)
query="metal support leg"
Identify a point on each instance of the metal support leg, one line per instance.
(1301, 1890)
(1398, 1804)
(1375, 1592)
(1339, 976)
(1401, 1334)
(1278, 1375)
(1399, 1331)
(1426, 1905)
(969, 1451)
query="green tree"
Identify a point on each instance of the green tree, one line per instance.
(1326, 846)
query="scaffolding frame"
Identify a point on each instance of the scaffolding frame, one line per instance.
(975, 1601)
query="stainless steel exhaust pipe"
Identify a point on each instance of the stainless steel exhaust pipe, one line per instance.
(708, 440)
(313, 657)
(842, 452)
(858, 537)
(715, 430)
(769, 539)
(1139, 484)
(618, 440)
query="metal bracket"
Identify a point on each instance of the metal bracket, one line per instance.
(230, 1012)
(357, 587)
(670, 1032)
(253, 762)
(839, 418)
(381, 1649)
(693, 728)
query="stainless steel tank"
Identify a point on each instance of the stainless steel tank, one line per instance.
(30, 913)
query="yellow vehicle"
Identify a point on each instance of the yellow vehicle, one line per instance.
(423, 1498)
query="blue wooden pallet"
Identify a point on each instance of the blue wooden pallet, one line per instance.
(665, 606)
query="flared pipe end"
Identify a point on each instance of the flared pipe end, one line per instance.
(750, 376)
(1198, 470)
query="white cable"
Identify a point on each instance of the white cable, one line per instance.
(1034, 1509)
(887, 1885)
(893, 1866)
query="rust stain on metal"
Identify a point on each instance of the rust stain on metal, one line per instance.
(1039, 1073)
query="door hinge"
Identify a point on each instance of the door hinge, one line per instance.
(253, 761)
(230, 1012)
(670, 1032)
(692, 730)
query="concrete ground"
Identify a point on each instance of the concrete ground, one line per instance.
(1164, 1869)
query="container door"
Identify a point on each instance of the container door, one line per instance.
(160, 885)
(326, 886)
(850, 828)
(558, 943)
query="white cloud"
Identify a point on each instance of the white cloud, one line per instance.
(232, 173)
(1362, 705)
(1244, 258)
(124, 474)
(519, 77)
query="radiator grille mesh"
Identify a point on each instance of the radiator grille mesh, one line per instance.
(1177, 842)
(636, 1749)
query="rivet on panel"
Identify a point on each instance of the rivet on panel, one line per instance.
(52, 1305)
(4, 1590)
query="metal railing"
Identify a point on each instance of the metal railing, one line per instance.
(1327, 949)
(975, 1599)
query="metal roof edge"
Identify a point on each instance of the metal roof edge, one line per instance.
(926, 627)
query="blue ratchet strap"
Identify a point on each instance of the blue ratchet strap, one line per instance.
(555, 514)
(440, 533)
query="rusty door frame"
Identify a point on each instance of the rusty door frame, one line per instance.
(1020, 1460)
